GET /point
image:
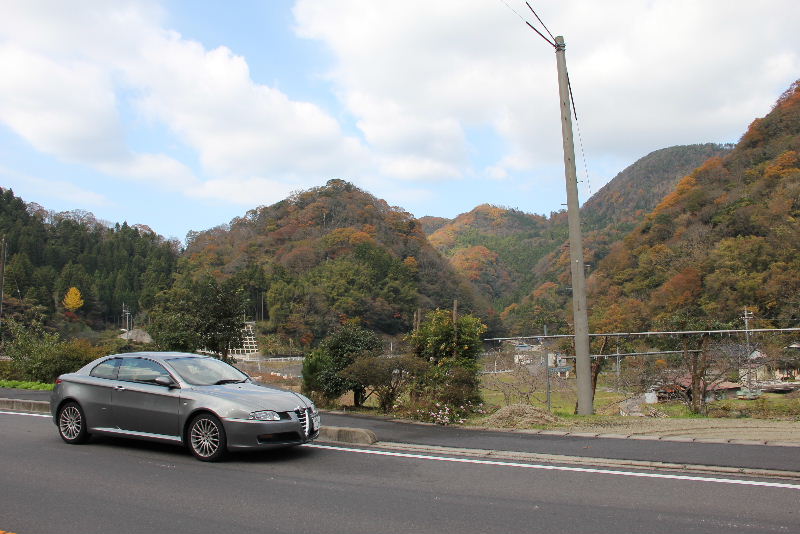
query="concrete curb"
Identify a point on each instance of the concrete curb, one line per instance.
(355, 436)
(21, 405)
(594, 462)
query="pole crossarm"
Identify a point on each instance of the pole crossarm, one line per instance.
(673, 333)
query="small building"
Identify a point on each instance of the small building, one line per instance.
(758, 367)
(717, 390)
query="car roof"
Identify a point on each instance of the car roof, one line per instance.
(158, 356)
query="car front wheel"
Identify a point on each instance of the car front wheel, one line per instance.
(72, 423)
(207, 439)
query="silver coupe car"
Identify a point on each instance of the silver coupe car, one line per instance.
(180, 398)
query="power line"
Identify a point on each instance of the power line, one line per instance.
(540, 21)
(513, 10)
(531, 26)
(647, 334)
(580, 138)
(569, 85)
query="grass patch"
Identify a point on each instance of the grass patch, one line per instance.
(25, 384)
(768, 406)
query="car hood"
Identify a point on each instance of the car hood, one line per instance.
(255, 397)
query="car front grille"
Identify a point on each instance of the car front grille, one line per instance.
(305, 420)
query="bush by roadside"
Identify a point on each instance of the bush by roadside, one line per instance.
(40, 356)
(24, 384)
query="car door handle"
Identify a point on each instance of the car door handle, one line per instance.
(119, 388)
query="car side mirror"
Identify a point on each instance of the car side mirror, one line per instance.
(164, 381)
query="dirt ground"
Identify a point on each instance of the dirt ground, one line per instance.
(747, 429)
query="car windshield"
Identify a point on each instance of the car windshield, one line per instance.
(207, 371)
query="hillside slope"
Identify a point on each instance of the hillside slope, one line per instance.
(497, 249)
(47, 253)
(331, 254)
(728, 236)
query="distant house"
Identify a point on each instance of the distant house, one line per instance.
(760, 368)
(717, 390)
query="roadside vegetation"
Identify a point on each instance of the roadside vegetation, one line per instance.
(26, 384)
(435, 380)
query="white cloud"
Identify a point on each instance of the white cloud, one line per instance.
(247, 192)
(414, 77)
(34, 186)
(63, 108)
(71, 70)
(645, 74)
(238, 127)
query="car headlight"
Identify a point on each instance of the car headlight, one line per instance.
(265, 415)
(314, 410)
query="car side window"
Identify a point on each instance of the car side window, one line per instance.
(141, 370)
(106, 369)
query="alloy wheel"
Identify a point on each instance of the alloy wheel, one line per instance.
(70, 422)
(205, 437)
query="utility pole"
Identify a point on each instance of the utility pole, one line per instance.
(748, 362)
(579, 314)
(2, 286)
(455, 328)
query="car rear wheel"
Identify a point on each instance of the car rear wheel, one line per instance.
(72, 423)
(207, 439)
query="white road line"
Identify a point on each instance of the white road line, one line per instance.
(28, 414)
(561, 468)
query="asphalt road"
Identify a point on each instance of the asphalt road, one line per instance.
(124, 486)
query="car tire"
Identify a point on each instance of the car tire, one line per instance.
(206, 438)
(72, 423)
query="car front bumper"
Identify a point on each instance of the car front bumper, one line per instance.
(250, 434)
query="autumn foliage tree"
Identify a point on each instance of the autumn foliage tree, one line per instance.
(73, 300)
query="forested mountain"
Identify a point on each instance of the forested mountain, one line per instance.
(47, 253)
(327, 255)
(622, 203)
(607, 217)
(727, 236)
(430, 223)
(497, 248)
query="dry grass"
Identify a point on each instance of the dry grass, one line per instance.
(519, 416)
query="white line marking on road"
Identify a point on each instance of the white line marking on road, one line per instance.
(561, 468)
(29, 414)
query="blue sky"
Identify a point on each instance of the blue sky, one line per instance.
(184, 114)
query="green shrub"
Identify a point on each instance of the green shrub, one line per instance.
(7, 371)
(388, 378)
(322, 369)
(41, 356)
